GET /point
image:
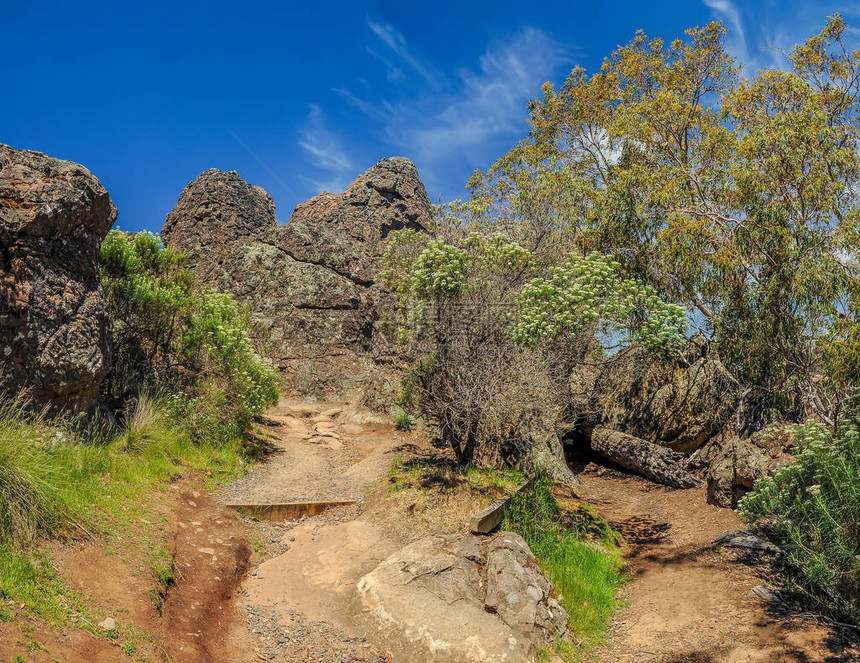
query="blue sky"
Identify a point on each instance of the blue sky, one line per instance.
(301, 97)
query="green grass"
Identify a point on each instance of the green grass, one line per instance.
(577, 551)
(402, 419)
(446, 476)
(56, 480)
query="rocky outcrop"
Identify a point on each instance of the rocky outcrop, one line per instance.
(310, 284)
(215, 211)
(677, 403)
(417, 601)
(739, 463)
(53, 324)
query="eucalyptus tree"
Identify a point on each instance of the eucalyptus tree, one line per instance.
(736, 197)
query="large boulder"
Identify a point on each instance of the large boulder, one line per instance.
(53, 322)
(215, 211)
(310, 284)
(418, 602)
(679, 403)
(739, 462)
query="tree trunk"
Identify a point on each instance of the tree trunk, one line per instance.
(547, 456)
(659, 464)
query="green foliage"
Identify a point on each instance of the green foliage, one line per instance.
(494, 330)
(447, 477)
(440, 271)
(402, 419)
(737, 197)
(589, 289)
(55, 478)
(32, 484)
(172, 335)
(812, 508)
(577, 552)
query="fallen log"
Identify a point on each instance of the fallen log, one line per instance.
(659, 464)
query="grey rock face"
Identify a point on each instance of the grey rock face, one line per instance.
(310, 283)
(679, 404)
(53, 324)
(740, 462)
(417, 602)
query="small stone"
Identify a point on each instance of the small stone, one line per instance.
(109, 624)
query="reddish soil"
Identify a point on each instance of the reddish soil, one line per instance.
(691, 601)
(198, 621)
(211, 555)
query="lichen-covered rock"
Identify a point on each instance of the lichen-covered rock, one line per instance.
(214, 212)
(680, 404)
(739, 463)
(310, 284)
(417, 602)
(53, 323)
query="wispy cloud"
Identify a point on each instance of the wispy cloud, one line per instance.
(488, 102)
(326, 152)
(761, 36)
(728, 12)
(394, 40)
(393, 73)
(463, 120)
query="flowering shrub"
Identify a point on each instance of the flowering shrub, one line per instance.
(812, 508)
(494, 333)
(173, 335)
(588, 289)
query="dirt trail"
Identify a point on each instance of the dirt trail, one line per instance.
(320, 451)
(297, 602)
(689, 601)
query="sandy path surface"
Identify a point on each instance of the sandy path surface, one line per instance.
(320, 451)
(297, 602)
(689, 601)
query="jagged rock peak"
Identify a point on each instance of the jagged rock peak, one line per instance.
(397, 176)
(43, 196)
(347, 231)
(310, 284)
(393, 185)
(53, 323)
(217, 208)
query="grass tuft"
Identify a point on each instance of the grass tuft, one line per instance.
(32, 483)
(447, 477)
(56, 480)
(402, 419)
(577, 551)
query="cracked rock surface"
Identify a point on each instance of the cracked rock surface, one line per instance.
(53, 323)
(419, 600)
(310, 284)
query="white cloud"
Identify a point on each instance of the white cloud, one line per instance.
(326, 152)
(394, 39)
(448, 125)
(459, 120)
(394, 73)
(727, 10)
(488, 102)
(761, 37)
